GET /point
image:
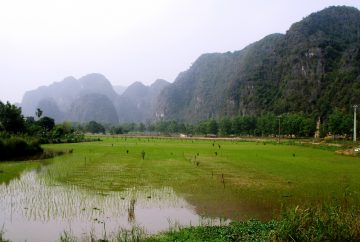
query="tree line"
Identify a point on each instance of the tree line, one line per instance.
(338, 123)
(21, 137)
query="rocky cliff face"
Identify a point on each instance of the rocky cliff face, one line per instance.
(93, 107)
(138, 102)
(312, 68)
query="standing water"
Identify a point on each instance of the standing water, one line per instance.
(33, 210)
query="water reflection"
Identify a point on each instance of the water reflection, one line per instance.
(33, 210)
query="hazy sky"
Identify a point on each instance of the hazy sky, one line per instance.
(43, 41)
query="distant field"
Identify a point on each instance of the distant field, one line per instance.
(231, 179)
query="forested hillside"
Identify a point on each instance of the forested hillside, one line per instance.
(314, 68)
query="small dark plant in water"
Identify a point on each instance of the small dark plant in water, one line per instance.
(143, 154)
(2, 234)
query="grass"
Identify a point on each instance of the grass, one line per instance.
(326, 223)
(226, 179)
(242, 180)
(252, 230)
(12, 170)
(322, 223)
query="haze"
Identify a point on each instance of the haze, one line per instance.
(44, 41)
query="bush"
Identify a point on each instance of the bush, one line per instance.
(329, 223)
(18, 148)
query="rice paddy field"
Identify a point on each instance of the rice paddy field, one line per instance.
(101, 189)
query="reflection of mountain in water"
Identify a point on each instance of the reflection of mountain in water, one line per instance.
(43, 211)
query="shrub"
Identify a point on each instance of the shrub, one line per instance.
(328, 223)
(18, 148)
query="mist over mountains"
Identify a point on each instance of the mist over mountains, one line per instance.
(92, 97)
(313, 68)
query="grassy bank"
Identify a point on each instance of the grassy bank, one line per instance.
(326, 223)
(12, 170)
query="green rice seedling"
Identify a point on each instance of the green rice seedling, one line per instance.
(68, 237)
(143, 154)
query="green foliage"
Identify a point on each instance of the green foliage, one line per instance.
(267, 124)
(252, 230)
(15, 148)
(20, 138)
(95, 128)
(292, 124)
(297, 124)
(225, 127)
(328, 223)
(212, 127)
(116, 130)
(46, 123)
(11, 120)
(340, 123)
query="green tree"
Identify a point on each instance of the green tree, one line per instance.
(38, 112)
(46, 123)
(267, 124)
(116, 130)
(225, 126)
(237, 125)
(212, 127)
(95, 128)
(201, 127)
(340, 123)
(249, 124)
(298, 124)
(142, 127)
(11, 119)
(58, 132)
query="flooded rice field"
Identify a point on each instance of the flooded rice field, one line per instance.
(32, 210)
(104, 189)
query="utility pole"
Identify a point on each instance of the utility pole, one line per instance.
(355, 107)
(279, 129)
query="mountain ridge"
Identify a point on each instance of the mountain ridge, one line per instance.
(313, 68)
(301, 70)
(91, 97)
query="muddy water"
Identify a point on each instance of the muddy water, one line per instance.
(34, 210)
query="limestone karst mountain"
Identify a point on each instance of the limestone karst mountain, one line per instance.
(92, 97)
(311, 68)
